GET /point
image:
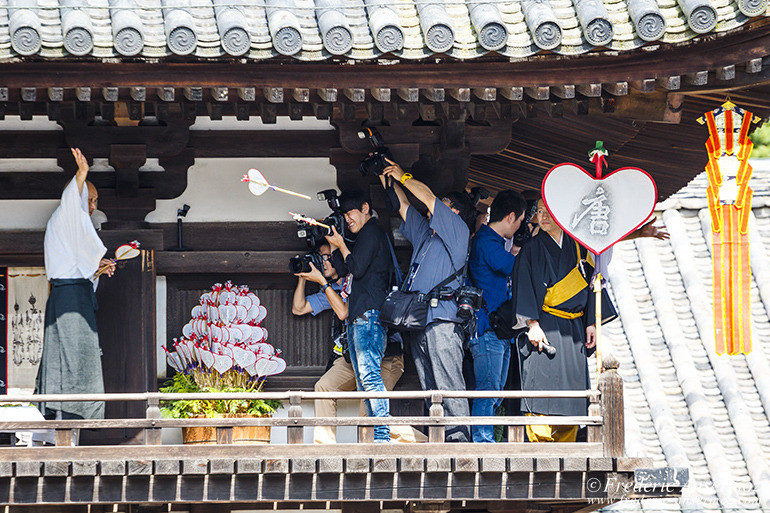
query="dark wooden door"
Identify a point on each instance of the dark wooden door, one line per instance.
(126, 321)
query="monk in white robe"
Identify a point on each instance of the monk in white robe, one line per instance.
(71, 360)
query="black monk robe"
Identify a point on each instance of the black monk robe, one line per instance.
(540, 265)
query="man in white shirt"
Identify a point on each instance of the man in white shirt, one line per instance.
(71, 360)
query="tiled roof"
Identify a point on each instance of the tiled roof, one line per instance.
(358, 29)
(684, 405)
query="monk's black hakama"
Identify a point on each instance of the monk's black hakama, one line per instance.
(71, 360)
(540, 265)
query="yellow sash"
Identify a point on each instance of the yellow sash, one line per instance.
(565, 289)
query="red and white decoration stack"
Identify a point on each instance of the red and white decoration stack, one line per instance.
(224, 344)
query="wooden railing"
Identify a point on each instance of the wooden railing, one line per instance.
(604, 421)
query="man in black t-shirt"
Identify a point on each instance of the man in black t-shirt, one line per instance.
(370, 264)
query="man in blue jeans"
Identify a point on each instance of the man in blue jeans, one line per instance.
(489, 268)
(440, 243)
(370, 264)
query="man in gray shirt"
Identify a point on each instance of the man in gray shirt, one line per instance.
(440, 244)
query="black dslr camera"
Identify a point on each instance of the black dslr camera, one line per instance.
(375, 162)
(301, 264)
(314, 234)
(523, 234)
(469, 300)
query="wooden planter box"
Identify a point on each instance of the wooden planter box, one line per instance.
(242, 435)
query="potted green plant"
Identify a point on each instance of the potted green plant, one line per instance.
(223, 349)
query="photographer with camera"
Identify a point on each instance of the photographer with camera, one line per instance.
(489, 268)
(339, 375)
(370, 264)
(440, 251)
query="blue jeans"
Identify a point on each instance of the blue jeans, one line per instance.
(367, 341)
(490, 366)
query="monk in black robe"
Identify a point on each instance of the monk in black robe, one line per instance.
(553, 298)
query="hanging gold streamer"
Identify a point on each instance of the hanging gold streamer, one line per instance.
(729, 225)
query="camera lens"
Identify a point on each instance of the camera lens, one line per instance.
(295, 265)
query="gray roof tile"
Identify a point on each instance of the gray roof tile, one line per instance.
(467, 45)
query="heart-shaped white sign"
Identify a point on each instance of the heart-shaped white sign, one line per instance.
(187, 330)
(599, 212)
(207, 357)
(244, 358)
(222, 363)
(245, 302)
(243, 313)
(270, 366)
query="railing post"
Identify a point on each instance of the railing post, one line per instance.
(295, 434)
(611, 389)
(152, 436)
(63, 437)
(516, 433)
(436, 433)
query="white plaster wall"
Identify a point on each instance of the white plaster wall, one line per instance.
(215, 191)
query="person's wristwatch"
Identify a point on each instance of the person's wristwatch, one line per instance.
(325, 286)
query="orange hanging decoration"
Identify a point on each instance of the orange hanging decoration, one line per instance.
(729, 199)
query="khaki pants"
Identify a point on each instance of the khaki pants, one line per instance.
(340, 378)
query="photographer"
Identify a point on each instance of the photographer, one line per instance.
(339, 376)
(370, 264)
(440, 250)
(489, 268)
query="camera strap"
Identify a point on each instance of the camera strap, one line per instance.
(396, 269)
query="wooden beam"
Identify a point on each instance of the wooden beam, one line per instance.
(301, 94)
(28, 94)
(83, 94)
(247, 94)
(355, 94)
(138, 94)
(166, 94)
(328, 94)
(515, 94)
(193, 94)
(56, 94)
(590, 90)
(381, 94)
(616, 88)
(726, 73)
(644, 86)
(538, 93)
(461, 94)
(251, 262)
(409, 94)
(220, 94)
(754, 66)
(659, 107)
(671, 83)
(273, 94)
(565, 92)
(487, 94)
(699, 78)
(435, 94)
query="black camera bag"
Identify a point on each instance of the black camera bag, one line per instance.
(502, 321)
(405, 310)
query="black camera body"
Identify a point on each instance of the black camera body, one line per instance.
(301, 264)
(374, 163)
(469, 300)
(314, 235)
(523, 234)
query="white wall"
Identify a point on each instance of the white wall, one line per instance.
(215, 191)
